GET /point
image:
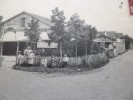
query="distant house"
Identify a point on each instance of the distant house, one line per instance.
(111, 37)
(103, 40)
(13, 38)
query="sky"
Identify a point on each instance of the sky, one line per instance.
(105, 15)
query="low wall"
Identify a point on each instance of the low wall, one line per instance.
(120, 47)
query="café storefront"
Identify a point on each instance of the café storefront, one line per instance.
(12, 42)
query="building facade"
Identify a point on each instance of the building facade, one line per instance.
(13, 39)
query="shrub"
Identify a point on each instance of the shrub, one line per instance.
(95, 61)
(75, 62)
(89, 61)
(96, 48)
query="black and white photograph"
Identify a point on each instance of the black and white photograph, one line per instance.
(66, 49)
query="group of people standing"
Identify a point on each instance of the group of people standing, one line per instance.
(29, 55)
(111, 51)
(28, 59)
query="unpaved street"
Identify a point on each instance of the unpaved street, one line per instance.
(111, 82)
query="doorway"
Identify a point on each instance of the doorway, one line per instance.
(22, 46)
(9, 48)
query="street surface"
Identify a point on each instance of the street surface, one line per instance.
(111, 82)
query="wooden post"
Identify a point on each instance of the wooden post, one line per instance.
(26, 43)
(61, 50)
(17, 47)
(86, 48)
(2, 41)
(34, 44)
(76, 49)
(17, 50)
(1, 47)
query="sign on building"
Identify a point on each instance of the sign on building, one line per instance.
(47, 45)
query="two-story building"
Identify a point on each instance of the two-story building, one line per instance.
(13, 38)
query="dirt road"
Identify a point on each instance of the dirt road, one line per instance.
(111, 82)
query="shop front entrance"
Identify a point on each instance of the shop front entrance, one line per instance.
(9, 48)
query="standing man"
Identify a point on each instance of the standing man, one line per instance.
(27, 50)
(115, 51)
(26, 53)
(31, 58)
(111, 50)
(53, 62)
(19, 59)
(65, 60)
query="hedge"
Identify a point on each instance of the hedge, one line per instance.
(89, 61)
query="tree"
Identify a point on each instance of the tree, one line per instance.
(75, 28)
(128, 41)
(96, 48)
(92, 35)
(33, 31)
(58, 29)
(81, 32)
(86, 36)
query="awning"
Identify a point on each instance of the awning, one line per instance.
(12, 37)
(19, 36)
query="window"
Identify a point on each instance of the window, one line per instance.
(22, 22)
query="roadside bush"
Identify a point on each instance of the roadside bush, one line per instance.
(75, 62)
(95, 61)
(96, 48)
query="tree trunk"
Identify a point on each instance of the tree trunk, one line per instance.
(60, 50)
(76, 49)
(34, 47)
(86, 50)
